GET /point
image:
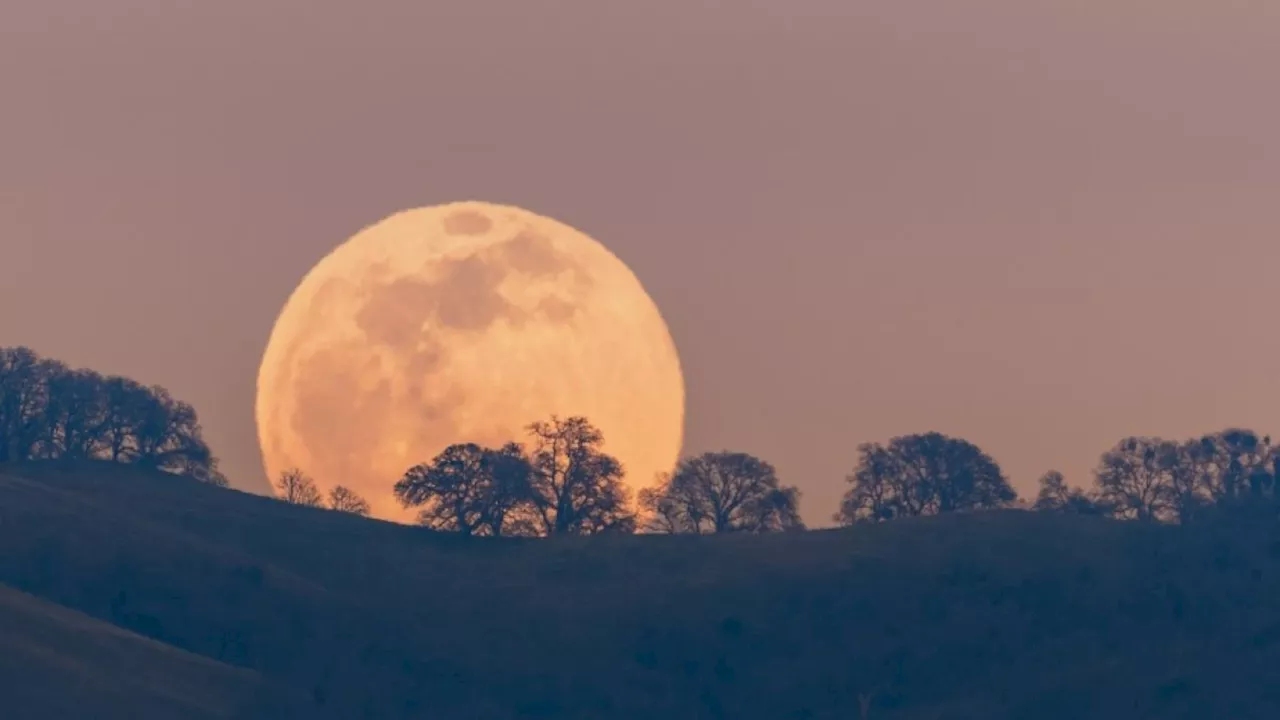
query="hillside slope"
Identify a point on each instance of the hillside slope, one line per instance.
(997, 615)
(56, 664)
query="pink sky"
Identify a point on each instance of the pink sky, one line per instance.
(1038, 224)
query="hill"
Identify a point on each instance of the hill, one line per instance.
(57, 664)
(994, 615)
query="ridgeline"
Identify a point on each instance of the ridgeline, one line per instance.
(180, 599)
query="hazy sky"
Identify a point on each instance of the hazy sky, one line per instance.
(1038, 224)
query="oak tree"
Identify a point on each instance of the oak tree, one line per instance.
(577, 488)
(923, 474)
(469, 489)
(721, 492)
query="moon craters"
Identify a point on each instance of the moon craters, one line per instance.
(467, 295)
(533, 254)
(462, 323)
(557, 310)
(464, 295)
(467, 222)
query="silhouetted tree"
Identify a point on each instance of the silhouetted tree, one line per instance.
(75, 415)
(721, 492)
(1137, 478)
(164, 434)
(922, 475)
(469, 489)
(124, 397)
(1155, 479)
(1232, 465)
(511, 507)
(662, 511)
(577, 488)
(1056, 496)
(166, 431)
(23, 399)
(49, 411)
(344, 499)
(297, 488)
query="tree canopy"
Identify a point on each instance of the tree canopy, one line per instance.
(562, 482)
(1154, 479)
(50, 411)
(922, 475)
(469, 489)
(577, 488)
(563, 485)
(721, 492)
(1056, 496)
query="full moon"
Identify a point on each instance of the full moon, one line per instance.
(463, 323)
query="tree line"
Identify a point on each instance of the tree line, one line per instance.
(566, 485)
(51, 411)
(1141, 478)
(561, 482)
(1153, 479)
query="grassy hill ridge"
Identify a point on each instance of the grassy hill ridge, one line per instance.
(1006, 614)
(57, 664)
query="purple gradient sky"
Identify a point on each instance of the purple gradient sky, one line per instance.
(1038, 224)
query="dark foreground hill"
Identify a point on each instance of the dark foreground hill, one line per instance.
(997, 615)
(56, 664)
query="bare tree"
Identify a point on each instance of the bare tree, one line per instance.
(1231, 465)
(663, 511)
(297, 488)
(721, 492)
(1136, 478)
(470, 489)
(1154, 479)
(24, 392)
(577, 488)
(344, 499)
(922, 475)
(1056, 496)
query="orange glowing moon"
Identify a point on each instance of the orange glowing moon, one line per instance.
(463, 323)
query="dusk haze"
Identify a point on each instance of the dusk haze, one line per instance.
(322, 325)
